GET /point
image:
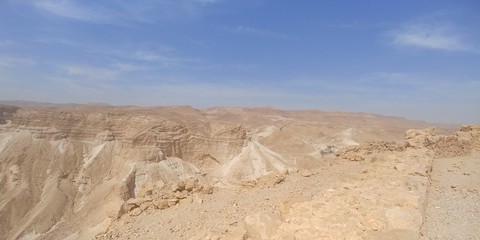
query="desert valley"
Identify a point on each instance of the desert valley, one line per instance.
(239, 120)
(176, 172)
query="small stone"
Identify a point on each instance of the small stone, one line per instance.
(207, 190)
(356, 158)
(279, 179)
(146, 189)
(137, 201)
(471, 190)
(135, 212)
(306, 173)
(400, 167)
(372, 224)
(172, 202)
(249, 183)
(127, 207)
(191, 184)
(161, 204)
(178, 187)
(144, 206)
(180, 195)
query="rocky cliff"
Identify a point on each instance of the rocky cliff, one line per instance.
(59, 168)
(69, 172)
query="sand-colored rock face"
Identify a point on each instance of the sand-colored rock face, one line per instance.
(80, 172)
(66, 165)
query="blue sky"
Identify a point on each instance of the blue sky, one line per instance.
(417, 59)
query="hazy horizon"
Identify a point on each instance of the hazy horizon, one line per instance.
(418, 60)
(55, 104)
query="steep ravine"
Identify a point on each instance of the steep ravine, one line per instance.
(58, 169)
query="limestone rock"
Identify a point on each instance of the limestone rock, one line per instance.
(263, 225)
(249, 183)
(115, 209)
(417, 138)
(147, 189)
(161, 204)
(178, 186)
(144, 206)
(191, 184)
(180, 195)
(135, 212)
(403, 218)
(395, 234)
(137, 201)
(127, 207)
(207, 190)
(306, 173)
(400, 167)
(285, 206)
(173, 201)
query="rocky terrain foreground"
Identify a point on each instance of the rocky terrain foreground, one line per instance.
(105, 172)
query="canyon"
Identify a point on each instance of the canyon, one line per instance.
(175, 172)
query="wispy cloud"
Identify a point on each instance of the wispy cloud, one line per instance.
(352, 25)
(386, 77)
(431, 36)
(415, 86)
(113, 72)
(13, 62)
(163, 59)
(121, 12)
(259, 32)
(75, 10)
(56, 41)
(125, 67)
(90, 73)
(158, 55)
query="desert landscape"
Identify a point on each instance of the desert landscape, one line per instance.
(239, 120)
(175, 172)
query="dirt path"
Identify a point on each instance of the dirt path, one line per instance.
(453, 210)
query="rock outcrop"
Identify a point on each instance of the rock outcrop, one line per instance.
(459, 144)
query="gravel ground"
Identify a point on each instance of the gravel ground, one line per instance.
(453, 210)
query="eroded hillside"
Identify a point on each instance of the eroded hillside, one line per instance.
(80, 172)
